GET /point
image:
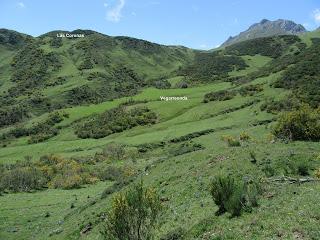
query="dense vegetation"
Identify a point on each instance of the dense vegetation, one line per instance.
(219, 96)
(212, 66)
(301, 124)
(304, 76)
(11, 115)
(31, 68)
(267, 46)
(113, 121)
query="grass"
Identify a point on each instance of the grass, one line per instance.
(286, 211)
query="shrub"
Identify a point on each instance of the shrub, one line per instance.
(162, 84)
(134, 214)
(231, 141)
(175, 234)
(222, 189)
(114, 151)
(67, 180)
(302, 124)
(186, 147)
(233, 196)
(317, 173)
(111, 173)
(244, 136)
(182, 84)
(22, 179)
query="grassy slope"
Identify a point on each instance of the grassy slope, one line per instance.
(289, 213)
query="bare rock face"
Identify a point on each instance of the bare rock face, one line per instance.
(266, 28)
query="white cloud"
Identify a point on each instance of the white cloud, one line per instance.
(114, 12)
(306, 25)
(316, 15)
(21, 5)
(203, 46)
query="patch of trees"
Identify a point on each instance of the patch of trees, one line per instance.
(288, 104)
(97, 76)
(13, 39)
(84, 94)
(267, 46)
(12, 115)
(56, 42)
(162, 84)
(121, 82)
(141, 46)
(250, 90)
(304, 77)
(31, 68)
(212, 66)
(40, 131)
(115, 120)
(222, 95)
(301, 124)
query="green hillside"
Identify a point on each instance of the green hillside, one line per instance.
(81, 120)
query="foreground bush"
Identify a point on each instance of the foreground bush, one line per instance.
(134, 215)
(301, 124)
(233, 196)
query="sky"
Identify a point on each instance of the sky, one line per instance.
(200, 24)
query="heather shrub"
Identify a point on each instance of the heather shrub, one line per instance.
(134, 214)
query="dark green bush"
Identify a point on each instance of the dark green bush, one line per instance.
(162, 84)
(184, 148)
(233, 196)
(175, 234)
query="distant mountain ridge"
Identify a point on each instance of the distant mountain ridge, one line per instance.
(267, 28)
